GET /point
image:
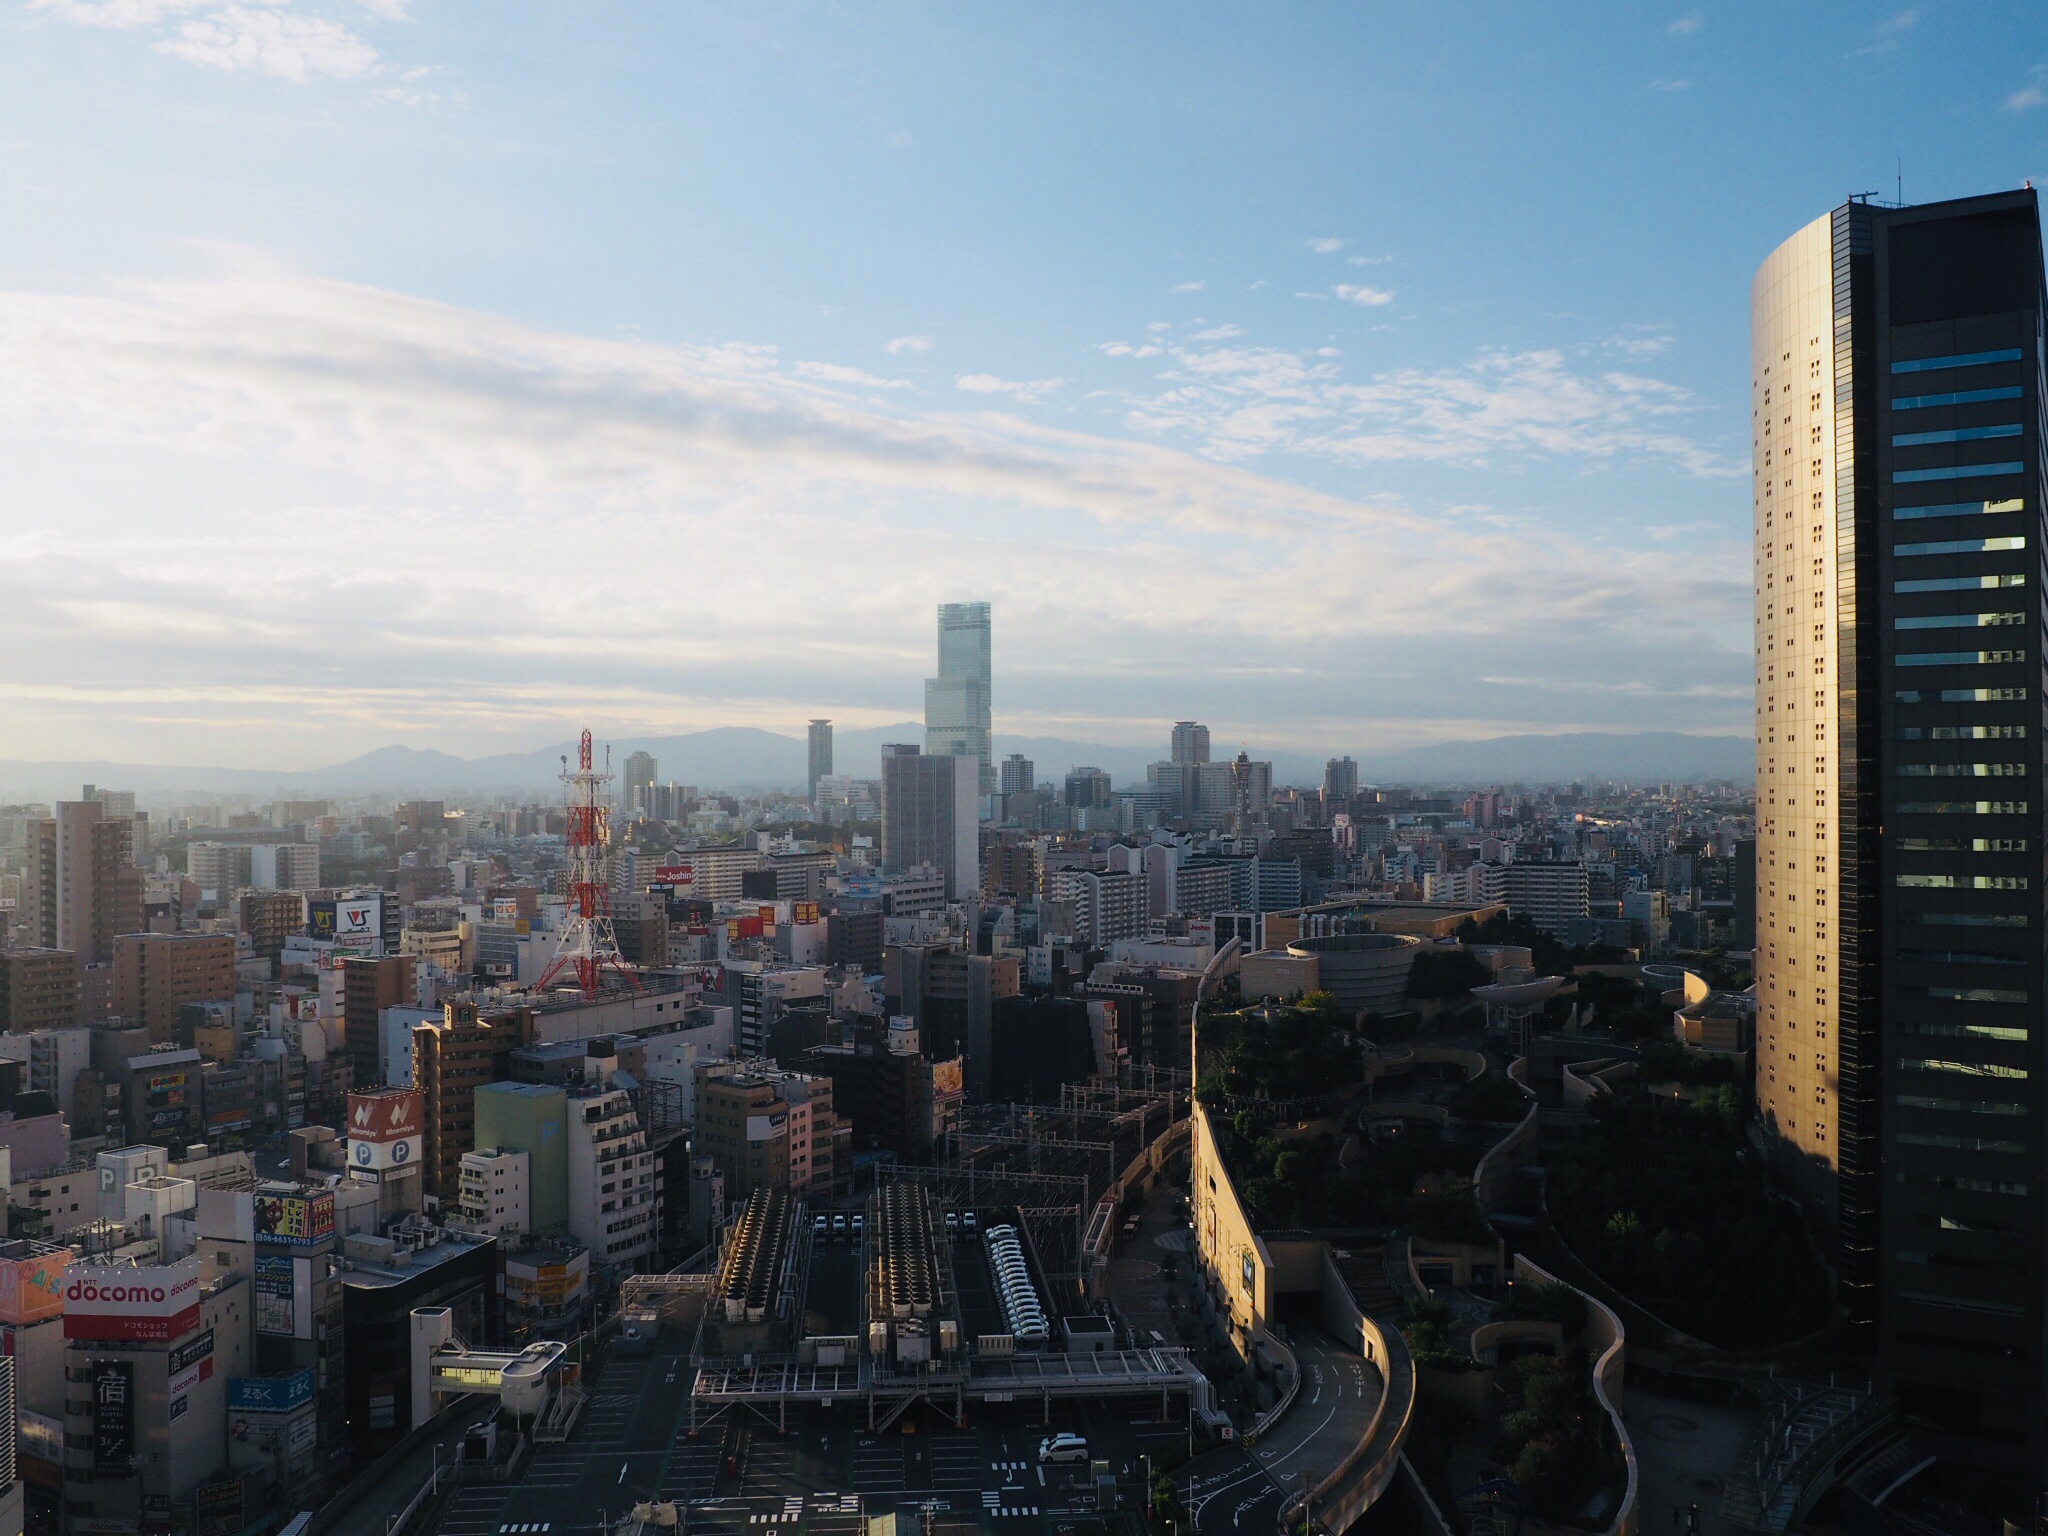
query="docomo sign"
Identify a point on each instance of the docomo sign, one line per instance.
(144, 1304)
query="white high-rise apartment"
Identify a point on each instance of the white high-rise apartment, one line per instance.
(957, 714)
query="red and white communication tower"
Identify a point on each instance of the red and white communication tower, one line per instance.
(588, 943)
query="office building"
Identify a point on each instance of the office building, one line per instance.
(39, 882)
(957, 713)
(1340, 781)
(1017, 867)
(821, 755)
(636, 782)
(150, 1350)
(530, 1121)
(930, 816)
(1552, 894)
(895, 1097)
(368, 987)
(85, 889)
(156, 975)
(284, 867)
(1108, 904)
(1086, 788)
(271, 917)
(38, 990)
(614, 1183)
(1018, 775)
(1190, 742)
(452, 1057)
(1896, 374)
(766, 1128)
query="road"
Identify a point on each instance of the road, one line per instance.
(824, 1475)
(1232, 1492)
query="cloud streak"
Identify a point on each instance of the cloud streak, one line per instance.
(345, 514)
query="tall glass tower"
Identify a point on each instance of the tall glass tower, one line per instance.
(1896, 392)
(957, 716)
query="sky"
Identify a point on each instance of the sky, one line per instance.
(1349, 376)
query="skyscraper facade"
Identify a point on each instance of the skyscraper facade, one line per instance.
(637, 780)
(98, 890)
(1897, 396)
(930, 816)
(957, 713)
(1340, 779)
(821, 754)
(1018, 775)
(1190, 742)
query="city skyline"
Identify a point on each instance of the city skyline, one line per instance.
(312, 286)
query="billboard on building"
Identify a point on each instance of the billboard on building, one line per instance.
(191, 1363)
(385, 1130)
(165, 1096)
(217, 1508)
(113, 1416)
(677, 879)
(302, 1220)
(804, 913)
(33, 1289)
(269, 1394)
(142, 1304)
(275, 1293)
(356, 923)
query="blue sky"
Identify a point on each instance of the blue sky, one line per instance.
(1350, 376)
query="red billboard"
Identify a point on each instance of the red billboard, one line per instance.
(143, 1303)
(398, 1114)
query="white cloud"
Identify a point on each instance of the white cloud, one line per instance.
(239, 37)
(257, 36)
(119, 15)
(1326, 245)
(1368, 261)
(1242, 403)
(1194, 287)
(838, 373)
(256, 418)
(1886, 36)
(1025, 391)
(1685, 26)
(1218, 333)
(2031, 95)
(1352, 294)
(1125, 349)
(1668, 85)
(904, 344)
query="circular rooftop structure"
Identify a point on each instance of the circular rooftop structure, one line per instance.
(1365, 972)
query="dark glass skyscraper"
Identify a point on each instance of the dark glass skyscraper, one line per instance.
(1897, 422)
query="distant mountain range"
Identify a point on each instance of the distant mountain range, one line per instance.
(745, 757)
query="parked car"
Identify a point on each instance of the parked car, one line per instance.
(1064, 1446)
(839, 1229)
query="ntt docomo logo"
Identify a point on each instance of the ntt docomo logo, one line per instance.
(83, 1291)
(91, 1291)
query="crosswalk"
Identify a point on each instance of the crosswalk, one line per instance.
(531, 1528)
(992, 1505)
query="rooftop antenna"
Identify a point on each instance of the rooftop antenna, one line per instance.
(1902, 180)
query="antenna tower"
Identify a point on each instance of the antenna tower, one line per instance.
(588, 944)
